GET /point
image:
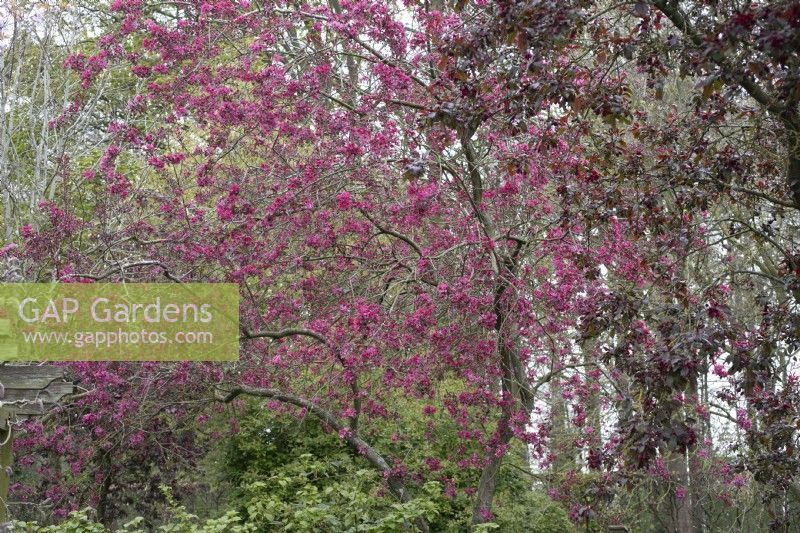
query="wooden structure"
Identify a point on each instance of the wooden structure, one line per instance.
(27, 390)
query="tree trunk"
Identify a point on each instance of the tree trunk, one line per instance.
(681, 507)
(482, 509)
(514, 384)
(793, 166)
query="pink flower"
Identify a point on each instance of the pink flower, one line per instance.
(743, 419)
(738, 481)
(344, 201)
(433, 463)
(141, 71)
(136, 439)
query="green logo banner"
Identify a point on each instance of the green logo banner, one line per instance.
(119, 322)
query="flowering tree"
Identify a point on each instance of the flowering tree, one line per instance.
(468, 206)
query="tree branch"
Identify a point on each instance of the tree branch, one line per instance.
(671, 11)
(121, 269)
(289, 332)
(394, 234)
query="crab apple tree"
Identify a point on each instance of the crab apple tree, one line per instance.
(409, 195)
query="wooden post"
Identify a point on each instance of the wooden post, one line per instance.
(6, 445)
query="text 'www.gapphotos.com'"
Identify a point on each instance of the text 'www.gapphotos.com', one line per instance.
(116, 338)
